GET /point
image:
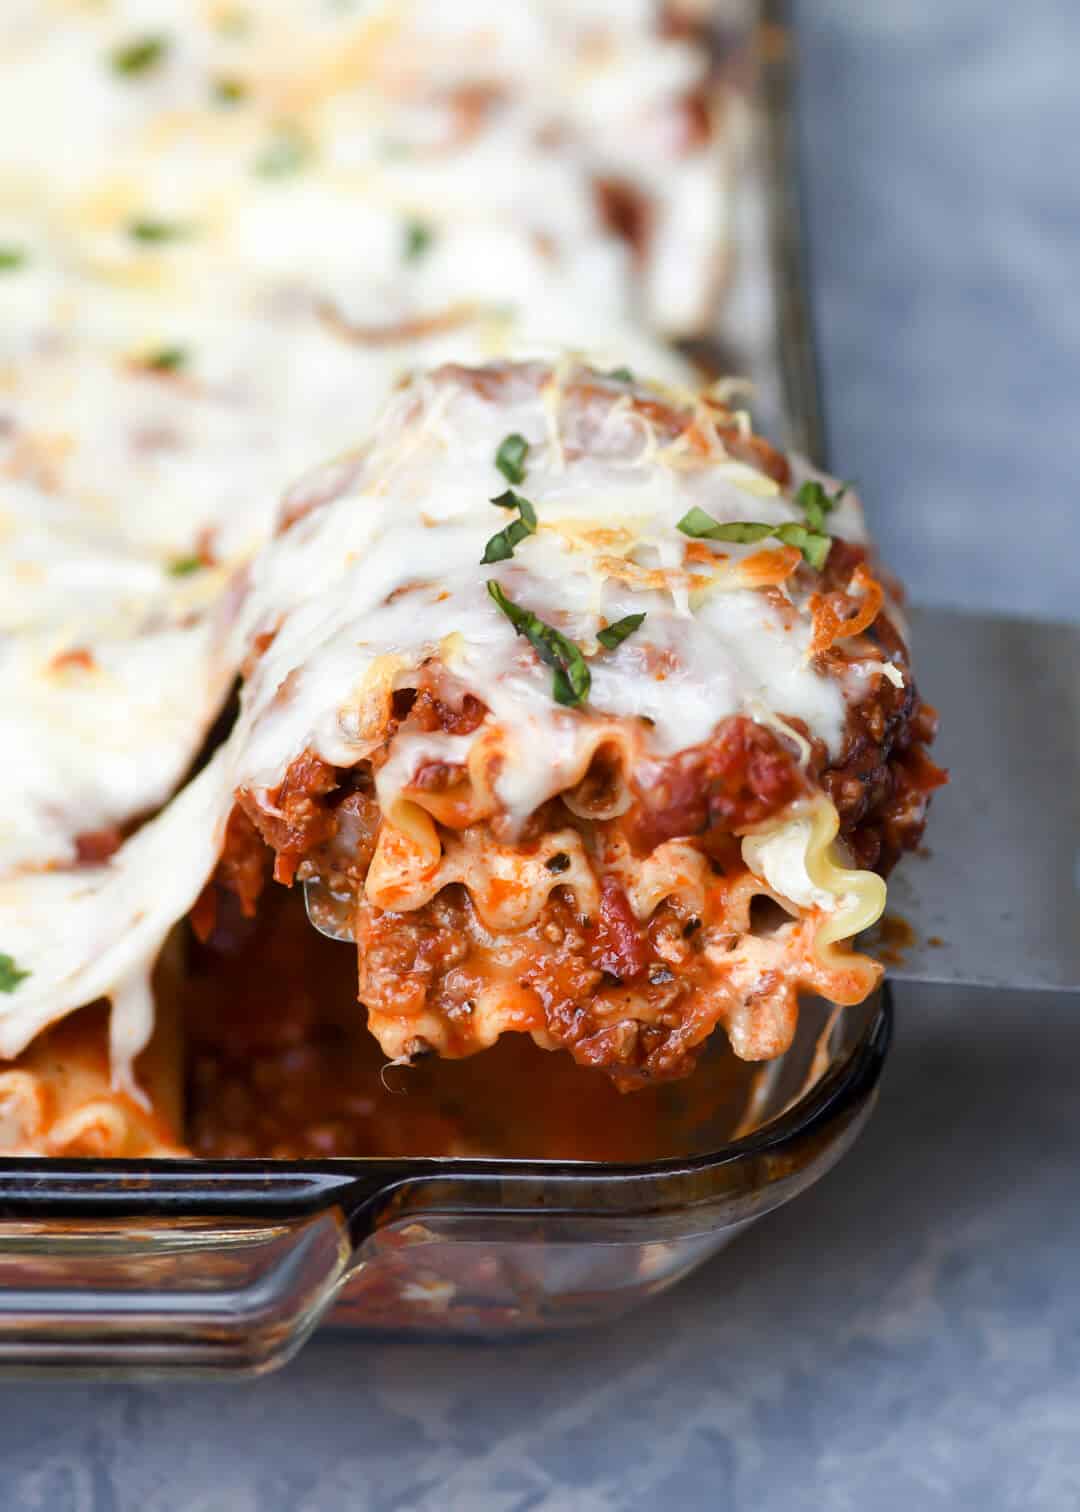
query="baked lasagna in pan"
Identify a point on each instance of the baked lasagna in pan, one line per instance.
(579, 709)
(587, 713)
(226, 229)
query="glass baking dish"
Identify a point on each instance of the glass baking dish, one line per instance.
(207, 1267)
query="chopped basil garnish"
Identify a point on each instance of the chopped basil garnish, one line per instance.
(813, 545)
(510, 457)
(230, 91)
(147, 229)
(286, 153)
(816, 503)
(166, 359)
(418, 239)
(138, 56)
(501, 546)
(184, 566)
(615, 634)
(11, 258)
(571, 683)
(701, 526)
(621, 375)
(10, 974)
(695, 522)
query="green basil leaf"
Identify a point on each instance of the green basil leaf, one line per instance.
(418, 240)
(510, 457)
(571, 683)
(184, 566)
(10, 974)
(621, 375)
(501, 546)
(615, 634)
(508, 499)
(816, 502)
(520, 503)
(813, 544)
(150, 230)
(166, 359)
(11, 259)
(138, 56)
(695, 522)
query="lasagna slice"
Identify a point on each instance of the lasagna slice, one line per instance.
(586, 713)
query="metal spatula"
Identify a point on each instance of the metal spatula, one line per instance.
(994, 899)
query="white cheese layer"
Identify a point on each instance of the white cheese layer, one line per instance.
(391, 569)
(284, 205)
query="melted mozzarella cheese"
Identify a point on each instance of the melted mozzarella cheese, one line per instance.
(96, 932)
(393, 567)
(82, 740)
(389, 186)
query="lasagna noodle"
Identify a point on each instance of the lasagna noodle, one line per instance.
(800, 860)
(743, 980)
(59, 1098)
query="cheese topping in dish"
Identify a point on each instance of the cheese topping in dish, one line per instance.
(265, 214)
(573, 695)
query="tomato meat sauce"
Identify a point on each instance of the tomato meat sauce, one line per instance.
(281, 1065)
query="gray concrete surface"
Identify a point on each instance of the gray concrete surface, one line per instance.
(907, 1336)
(939, 140)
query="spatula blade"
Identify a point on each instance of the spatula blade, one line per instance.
(995, 900)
